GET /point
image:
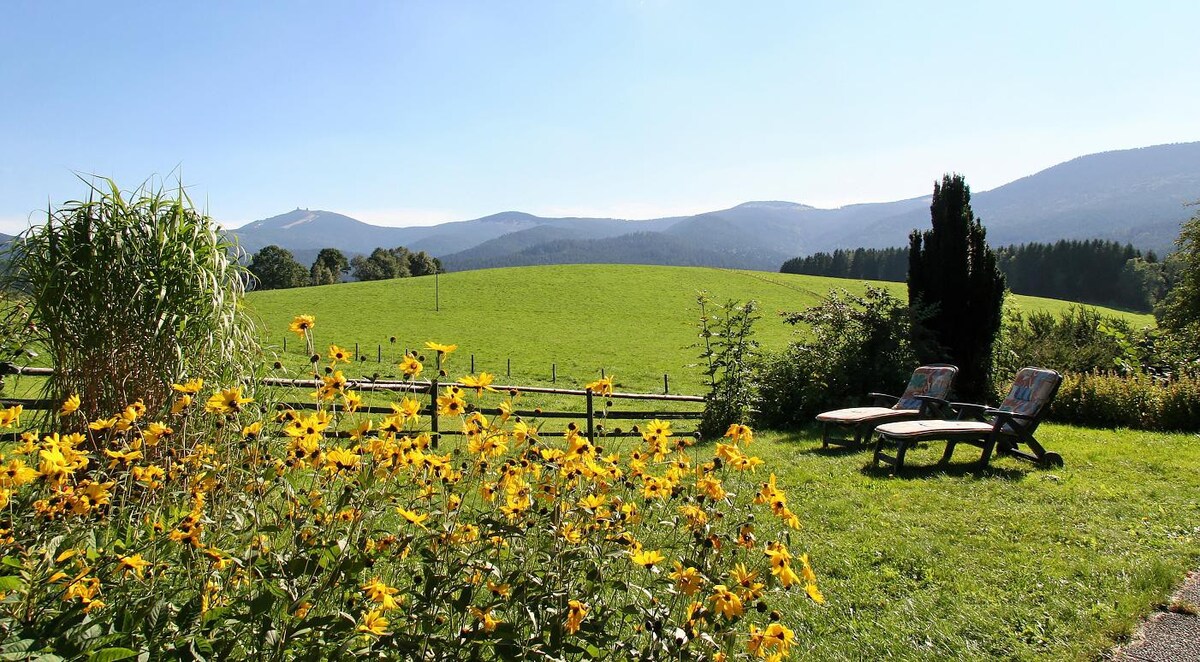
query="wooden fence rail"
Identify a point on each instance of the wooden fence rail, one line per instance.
(430, 388)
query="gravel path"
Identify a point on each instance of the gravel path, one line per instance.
(1170, 635)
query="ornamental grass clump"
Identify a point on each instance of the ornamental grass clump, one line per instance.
(128, 292)
(330, 532)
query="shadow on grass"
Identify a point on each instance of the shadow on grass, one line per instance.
(957, 470)
(835, 451)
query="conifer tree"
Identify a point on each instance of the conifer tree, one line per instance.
(953, 275)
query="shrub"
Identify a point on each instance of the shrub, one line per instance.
(853, 345)
(1079, 339)
(127, 293)
(1139, 401)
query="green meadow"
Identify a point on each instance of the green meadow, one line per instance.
(635, 322)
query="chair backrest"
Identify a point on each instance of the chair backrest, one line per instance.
(931, 380)
(1032, 391)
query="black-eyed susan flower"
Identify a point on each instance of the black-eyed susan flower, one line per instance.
(688, 580)
(441, 349)
(576, 612)
(485, 618)
(134, 564)
(481, 383)
(725, 602)
(646, 558)
(413, 516)
(16, 473)
(70, 405)
(381, 594)
(338, 355)
(226, 401)
(190, 387)
(11, 416)
(602, 386)
(410, 366)
(373, 623)
(302, 324)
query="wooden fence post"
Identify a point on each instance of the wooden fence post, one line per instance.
(472, 364)
(433, 413)
(510, 366)
(379, 353)
(666, 386)
(591, 418)
(553, 373)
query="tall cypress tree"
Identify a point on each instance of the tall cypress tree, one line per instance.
(952, 273)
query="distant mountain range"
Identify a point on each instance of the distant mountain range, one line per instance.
(1135, 196)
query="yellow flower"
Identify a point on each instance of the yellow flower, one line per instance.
(742, 576)
(70, 405)
(602, 386)
(340, 459)
(481, 383)
(485, 616)
(11, 416)
(182, 403)
(226, 401)
(102, 424)
(302, 324)
(814, 593)
(442, 350)
(687, 580)
(739, 433)
(411, 367)
(576, 612)
(190, 387)
(338, 355)
(645, 558)
(725, 602)
(352, 401)
(16, 473)
(252, 430)
(381, 594)
(374, 623)
(413, 516)
(135, 564)
(450, 404)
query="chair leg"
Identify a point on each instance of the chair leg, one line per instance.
(878, 452)
(824, 435)
(989, 445)
(901, 449)
(948, 452)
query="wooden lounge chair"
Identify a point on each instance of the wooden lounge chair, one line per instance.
(925, 395)
(1003, 428)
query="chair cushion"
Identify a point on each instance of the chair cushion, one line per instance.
(1031, 390)
(934, 429)
(927, 380)
(862, 414)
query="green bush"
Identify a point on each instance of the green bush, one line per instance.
(853, 345)
(128, 292)
(1137, 401)
(729, 350)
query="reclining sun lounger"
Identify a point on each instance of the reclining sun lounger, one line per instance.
(1002, 428)
(925, 395)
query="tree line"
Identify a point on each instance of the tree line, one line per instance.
(274, 267)
(1095, 271)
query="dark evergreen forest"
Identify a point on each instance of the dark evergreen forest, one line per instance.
(1096, 271)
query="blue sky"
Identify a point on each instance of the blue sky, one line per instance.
(404, 113)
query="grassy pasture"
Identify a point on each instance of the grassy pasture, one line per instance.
(636, 322)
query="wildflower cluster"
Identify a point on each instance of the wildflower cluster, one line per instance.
(235, 530)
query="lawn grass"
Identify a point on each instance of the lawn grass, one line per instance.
(1014, 562)
(635, 322)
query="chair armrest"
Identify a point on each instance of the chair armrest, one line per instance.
(968, 409)
(881, 398)
(933, 403)
(990, 411)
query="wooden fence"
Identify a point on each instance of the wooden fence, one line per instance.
(595, 421)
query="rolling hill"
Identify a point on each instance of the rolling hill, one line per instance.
(1136, 196)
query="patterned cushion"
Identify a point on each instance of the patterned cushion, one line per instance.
(1031, 391)
(927, 380)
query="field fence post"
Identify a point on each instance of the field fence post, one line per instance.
(510, 366)
(553, 373)
(666, 385)
(356, 354)
(379, 353)
(472, 364)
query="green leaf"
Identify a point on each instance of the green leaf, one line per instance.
(11, 583)
(112, 654)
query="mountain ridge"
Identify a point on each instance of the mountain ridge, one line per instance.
(1136, 196)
